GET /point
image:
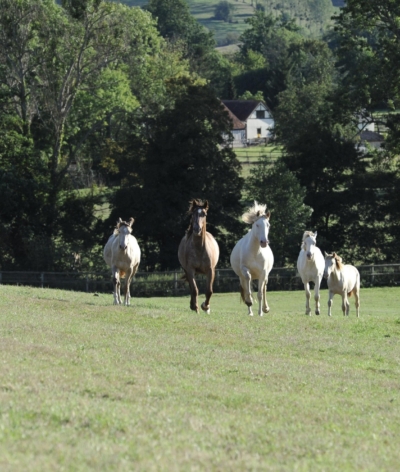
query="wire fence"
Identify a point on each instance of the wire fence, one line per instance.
(151, 284)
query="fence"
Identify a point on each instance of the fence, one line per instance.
(146, 284)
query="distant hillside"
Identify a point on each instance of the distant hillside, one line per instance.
(312, 15)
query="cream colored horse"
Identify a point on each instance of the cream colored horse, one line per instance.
(311, 265)
(122, 254)
(343, 280)
(252, 257)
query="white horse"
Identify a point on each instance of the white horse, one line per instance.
(311, 265)
(252, 257)
(343, 280)
(122, 254)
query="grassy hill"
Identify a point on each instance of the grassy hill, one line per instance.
(312, 15)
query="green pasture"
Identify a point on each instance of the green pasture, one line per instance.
(250, 156)
(204, 10)
(86, 385)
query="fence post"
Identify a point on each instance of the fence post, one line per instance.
(42, 279)
(372, 275)
(175, 282)
(87, 284)
(0, 277)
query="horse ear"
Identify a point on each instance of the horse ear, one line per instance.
(326, 255)
(131, 221)
(315, 234)
(206, 205)
(268, 215)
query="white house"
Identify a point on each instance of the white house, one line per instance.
(252, 121)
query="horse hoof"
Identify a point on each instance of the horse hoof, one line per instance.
(317, 312)
(206, 309)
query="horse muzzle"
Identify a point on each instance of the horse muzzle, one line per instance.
(263, 244)
(123, 248)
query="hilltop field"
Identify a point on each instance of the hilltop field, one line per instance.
(312, 15)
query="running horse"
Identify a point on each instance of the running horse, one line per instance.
(311, 266)
(252, 257)
(344, 280)
(198, 253)
(122, 254)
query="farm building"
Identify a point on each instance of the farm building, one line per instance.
(252, 122)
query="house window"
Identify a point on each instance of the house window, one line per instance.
(258, 132)
(260, 114)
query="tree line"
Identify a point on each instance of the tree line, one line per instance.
(111, 111)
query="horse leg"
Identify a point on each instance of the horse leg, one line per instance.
(345, 304)
(262, 296)
(317, 296)
(193, 291)
(245, 280)
(308, 296)
(128, 278)
(357, 297)
(205, 306)
(116, 285)
(330, 303)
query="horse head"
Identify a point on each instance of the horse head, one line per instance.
(309, 244)
(198, 210)
(259, 219)
(124, 230)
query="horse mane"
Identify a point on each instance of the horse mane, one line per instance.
(254, 213)
(338, 259)
(339, 263)
(305, 236)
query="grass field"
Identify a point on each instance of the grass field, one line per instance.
(89, 386)
(250, 156)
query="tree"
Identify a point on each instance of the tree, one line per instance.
(264, 56)
(224, 11)
(67, 89)
(182, 30)
(273, 184)
(369, 52)
(175, 23)
(181, 155)
(367, 42)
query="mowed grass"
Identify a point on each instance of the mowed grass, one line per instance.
(85, 385)
(251, 156)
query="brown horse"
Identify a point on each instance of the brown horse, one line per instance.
(198, 253)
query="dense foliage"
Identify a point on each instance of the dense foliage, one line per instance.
(110, 111)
